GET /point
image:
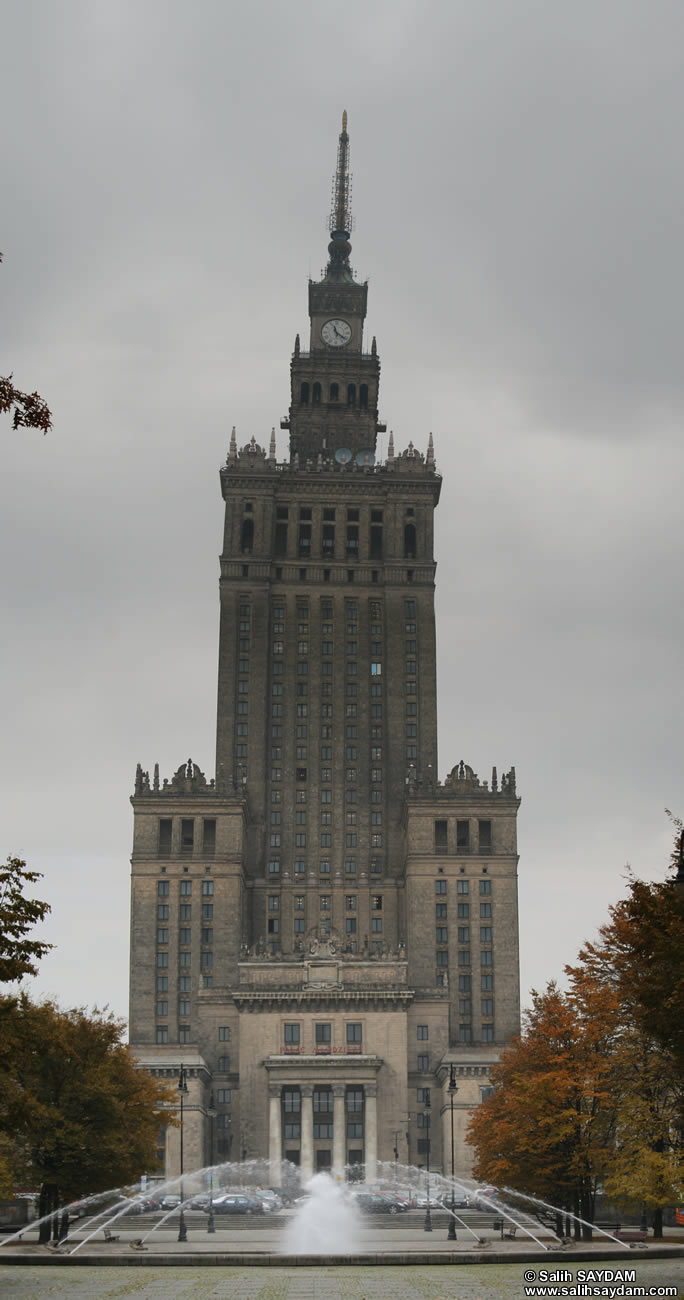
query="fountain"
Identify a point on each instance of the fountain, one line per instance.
(325, 1222)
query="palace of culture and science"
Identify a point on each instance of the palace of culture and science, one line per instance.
(322, 929)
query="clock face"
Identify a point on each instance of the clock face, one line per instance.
(336, 333)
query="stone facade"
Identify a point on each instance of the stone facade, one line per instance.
(322, 929)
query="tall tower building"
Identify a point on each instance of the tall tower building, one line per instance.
(323, 929)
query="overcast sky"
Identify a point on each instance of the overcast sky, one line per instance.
(518, 194)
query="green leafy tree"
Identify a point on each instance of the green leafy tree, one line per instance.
(18, 915)
(76, 1114)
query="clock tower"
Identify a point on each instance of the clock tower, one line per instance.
(324, 931)
(334, 386)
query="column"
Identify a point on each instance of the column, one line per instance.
(306, 1141)
(339, 1131)
(371, 1126)
(275, 1147)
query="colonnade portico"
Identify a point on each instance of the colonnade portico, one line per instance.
(362, 1114)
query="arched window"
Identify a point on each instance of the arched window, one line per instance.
(351, 394)
(334, 392)
(247, 540)
(304, 395)
(410, 542)
(316, 394)
(363, 395)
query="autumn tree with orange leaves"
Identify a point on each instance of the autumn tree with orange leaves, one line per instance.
(547, 1128)
(593, 1091)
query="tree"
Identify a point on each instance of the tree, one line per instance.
(77, 1116)
(30, 410)
(594, 1088)
(18, 915)
(547, 1127)
(640, 957)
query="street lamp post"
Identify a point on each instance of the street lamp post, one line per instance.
(211, 1112)
(453, 1089)
(427, 1226)
(182, 1092)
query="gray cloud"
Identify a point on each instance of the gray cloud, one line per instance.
(519, 199)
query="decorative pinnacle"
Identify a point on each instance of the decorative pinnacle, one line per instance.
(341, 220)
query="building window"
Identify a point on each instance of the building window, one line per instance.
(164, 849)
(224, 1034)
(464, 983)
(463, 910)
(462, 836)
(423, 1032)
(354, 1033)
(423, 1063)
(462, 887)
(162, 1034)
(465, 1034)
(441, 886)
(292, 1034)
(443, 957)
(162, 911)
(485, 886)
(487, 1033)
(323, 1034)
(486, 983)
(162, 889)
(440, 911)
(163, 1009)
(187, 836)
(464, 934)
(350, 925)
(485, 836)
(162, 984)
(162, 960)
(487, 958)
(441, 840)
(441, 934)
(488, 1006)
(485, 934)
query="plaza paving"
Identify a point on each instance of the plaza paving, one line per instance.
(449, 1282)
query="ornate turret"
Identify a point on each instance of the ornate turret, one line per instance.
(333, 416)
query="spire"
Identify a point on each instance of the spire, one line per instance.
(341, 220)
(390, 448)
(232, 454)
(272, 448)
(430, 452)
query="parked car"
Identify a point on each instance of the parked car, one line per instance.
(235, 1204)
(375, 1203)
(169, 1202)
(284, 1194)
(147, 1205)
(269, 1200)
(461, 1201)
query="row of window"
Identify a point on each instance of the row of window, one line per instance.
(314, 393)
(463, 909)
(350, 865)
(323, 1100)
(324, 902)
(292, 1033)
(185, 911)
(463, 886)
(184, 887)
(463, 840)
(187, 842)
